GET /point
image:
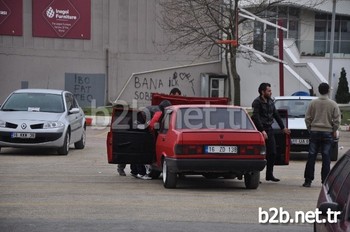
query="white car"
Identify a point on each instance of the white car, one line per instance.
(296, 107)
(42, 118)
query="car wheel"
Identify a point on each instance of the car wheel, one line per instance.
(334, 154)
(169, 178)
(252, 180)
(65, 148)
(81, 143)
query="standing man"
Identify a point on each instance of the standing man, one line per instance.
(322, 120)
(264, 111)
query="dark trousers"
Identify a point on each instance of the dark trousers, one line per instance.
(319, 141)
(138, 169)
(270, 152)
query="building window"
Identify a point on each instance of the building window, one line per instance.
(323, 26)
(265, 35)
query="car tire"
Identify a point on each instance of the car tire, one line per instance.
(65, 147)
(169, 178)
(334, 154)
(81, 143)
(252, 180)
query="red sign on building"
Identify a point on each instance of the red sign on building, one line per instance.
(62, 18)
(11, 17)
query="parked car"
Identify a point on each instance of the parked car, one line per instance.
(296, 107)
(42, 118)
(335, 197)
(208, 140)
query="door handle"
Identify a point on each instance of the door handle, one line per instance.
(123, 144)
(163, 139)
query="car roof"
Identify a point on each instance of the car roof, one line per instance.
(50, 91)
(205, 106)
(295, 97)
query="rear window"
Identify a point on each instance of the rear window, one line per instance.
(213, 118)
(34, 102)
(337, 177)
(344, 191)
(296, 107)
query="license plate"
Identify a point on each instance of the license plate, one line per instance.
(221, 149)
(300, 141)
(23, 135)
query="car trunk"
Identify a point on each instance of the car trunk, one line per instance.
(239, 144)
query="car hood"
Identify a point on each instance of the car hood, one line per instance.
(29, 116)
(296, 123)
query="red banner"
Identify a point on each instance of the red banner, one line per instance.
(11, 17)
(69, 19)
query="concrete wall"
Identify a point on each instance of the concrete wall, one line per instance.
(254, 73)
(125, 38)
(323, 66)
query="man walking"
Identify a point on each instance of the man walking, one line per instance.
(264, 111)
(322, 120)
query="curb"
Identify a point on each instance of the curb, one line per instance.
(98, 121)
(344, 128)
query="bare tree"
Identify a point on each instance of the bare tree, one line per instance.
(200, 24)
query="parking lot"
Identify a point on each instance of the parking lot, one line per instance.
(42, 191)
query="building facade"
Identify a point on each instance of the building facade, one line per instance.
(108, 50)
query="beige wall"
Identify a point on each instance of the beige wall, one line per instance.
(125, 38)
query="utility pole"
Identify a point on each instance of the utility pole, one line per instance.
(331, 48)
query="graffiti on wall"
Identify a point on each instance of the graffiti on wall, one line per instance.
(144, 86)
(88, 89)
(82, 88)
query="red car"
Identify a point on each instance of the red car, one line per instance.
(210, 140)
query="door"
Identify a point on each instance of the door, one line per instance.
(282, 140)
(128, 142)
(75, 119)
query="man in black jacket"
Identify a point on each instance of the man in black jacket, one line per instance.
(264, 111)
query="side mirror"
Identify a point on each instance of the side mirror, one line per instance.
(325, 207)
(74, 111)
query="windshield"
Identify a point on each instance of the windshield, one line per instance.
(34, 102)
(213, 118)
(296, 107)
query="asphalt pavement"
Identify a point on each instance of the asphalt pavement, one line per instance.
(42, 191)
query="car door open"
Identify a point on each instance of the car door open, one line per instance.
(127, 141)
(282, 140)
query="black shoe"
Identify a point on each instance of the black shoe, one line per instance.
(272, 178)
(121, 172)
(307, 184)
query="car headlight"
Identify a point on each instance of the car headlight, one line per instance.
(49, 125)
(2, 123)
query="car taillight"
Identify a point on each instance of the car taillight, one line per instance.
(252, 150)
(188, 149)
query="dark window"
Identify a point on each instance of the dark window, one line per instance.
(212, 118)
(164, 126)
(344, 190)
(69, 101)
(40, 102)
(337, 178)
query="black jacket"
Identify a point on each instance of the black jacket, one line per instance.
(264, 113)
